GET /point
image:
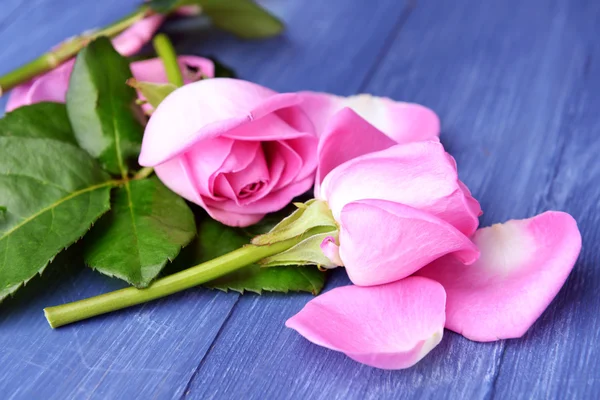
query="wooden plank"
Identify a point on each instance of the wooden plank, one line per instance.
(559, 357)
(146, 352)
(153, 351)
(500, 76)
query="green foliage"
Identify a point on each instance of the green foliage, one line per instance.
(243, 18)
(52, 192)
(147, 226)
(215, 239)
(154, 93)
(40, 120)
(101, 107)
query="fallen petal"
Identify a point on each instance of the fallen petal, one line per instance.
(381, 241)
(523, 265)
(389, 326)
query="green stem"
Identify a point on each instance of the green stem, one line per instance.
(165, 50)
(66, 51)
(143, 173)
(194, 276)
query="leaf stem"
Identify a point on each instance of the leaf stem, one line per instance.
(194, 276)
(165, 50)
(66, 51)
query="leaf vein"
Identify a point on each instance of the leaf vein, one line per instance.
(56, 204)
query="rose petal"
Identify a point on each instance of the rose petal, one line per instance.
(211, 108)
(403, 122)
(250, 182)
(331, 250)
(205, 159)
(382, 242)
(280, 153)
(390, 326)
(234, 219)
(153, 70)
(523, 265)
(347, 136)
(421, 175)
(177, 175)
(306, 148)
(274, 201)
(132, 39)
(51, 86)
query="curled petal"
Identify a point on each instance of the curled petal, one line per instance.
(389, 326)
(132, 39)
(382, 241)
(403, 122)
(178, 176)
(331, 249)
(219, 107)
(274, 201)
(347, 136)
(523, 265)
(51, 86)
(421, 175)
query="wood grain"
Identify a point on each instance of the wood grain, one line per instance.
(516, 85)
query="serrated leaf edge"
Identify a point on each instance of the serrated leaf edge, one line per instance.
(14, 288)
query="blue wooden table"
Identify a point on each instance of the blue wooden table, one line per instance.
(517, 86)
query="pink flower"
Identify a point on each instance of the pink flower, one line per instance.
(522, 267)
(402, 122)
(132, 39)
(411, 194)
(52, 86)
(389, 326)
(235, 148)
(401, 208)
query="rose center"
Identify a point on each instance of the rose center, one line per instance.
(250, 189)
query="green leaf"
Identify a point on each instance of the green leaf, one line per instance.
(215, 239)
(40, 120)
(154, 93)
(167, 6)
(243, 18)
(101, 107)
(147, 226)
(52, 192)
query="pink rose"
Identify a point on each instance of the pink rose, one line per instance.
(400, 122)
(53, 85)
(522, 267)
(235, 148)
(132, 39)
(403, 210)
(411, 194)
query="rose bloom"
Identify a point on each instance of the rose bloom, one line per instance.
(235, 148)
(409, 241)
